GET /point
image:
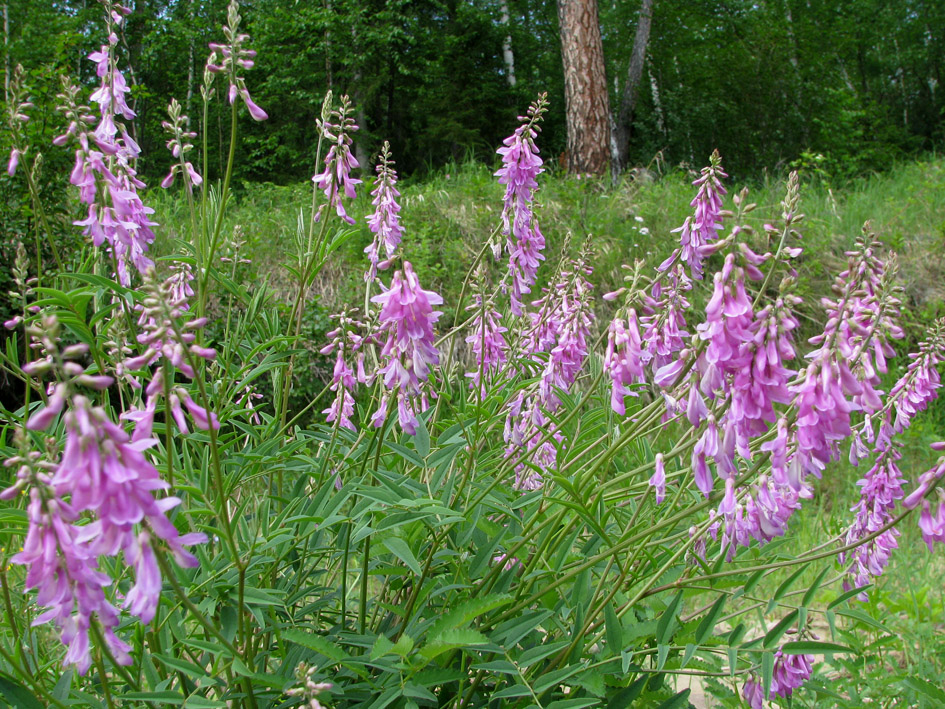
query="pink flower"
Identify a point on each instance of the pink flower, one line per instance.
(406, 319)
(235, 56)
(623, 360)
(520, 168)
(487, 342)
(336, 179)
(703, 227)
(658, 479)
(385, 222)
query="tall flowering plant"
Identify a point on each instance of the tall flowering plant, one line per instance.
(578, 497)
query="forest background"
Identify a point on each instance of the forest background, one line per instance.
(858, 82)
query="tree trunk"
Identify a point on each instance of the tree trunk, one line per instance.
(628, 98)
(6, 52)
(587, 106)
(507, 54)
(657, 103)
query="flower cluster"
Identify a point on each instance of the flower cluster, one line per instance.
(624, 359)
(102, 473)
(664, 322)
(336, 179)
(703, 226)
(556, 344)
(385, 222)
(520, 168)
(790, 672)
(179, 148)
(487, 342)
(406, 320)
(309, 689)
(169, 342)
(17, 106)
(104, 162)
(345, 342)
(233, 57)
(851, 351)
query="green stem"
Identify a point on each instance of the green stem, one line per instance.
(218, 226)
(182, 596)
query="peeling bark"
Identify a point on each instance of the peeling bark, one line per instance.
(587, 106)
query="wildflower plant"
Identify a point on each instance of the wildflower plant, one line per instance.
(558, 499)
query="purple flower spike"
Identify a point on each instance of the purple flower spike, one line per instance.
(520, 166)
(624, 360)
(703, 227)
(345, 342)
(556, 343)
(336, 178)
(235, 57)
(385, 222)
(487, 342)
(658, 479)
(790, 672)
(406, 319)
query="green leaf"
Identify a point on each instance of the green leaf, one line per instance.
(662, 652)
(767, 672)
(573, 703)
(405, 453)
(864, 618)
(403, 646)
(773, 635)
(502, 667)
(509, 634)
(516, 690)
(614, 629)
(708, 623)
(680, 699)
(687, 655)
(812, 647)
(626, 697)
(61, 690)
(753, 580)
(812, 590)
(452, 639)
(198, 702)
(258, 597)
(540, 652)
(664, 629)
(399, 548)
(468, 611)
(382, 646)
(315, 642)
(849, 594)
(161, 698)
(785, 587)
(178, 665)
(17, 695)
(926, 688)
(421, 439)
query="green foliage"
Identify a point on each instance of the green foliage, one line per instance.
(407, 570)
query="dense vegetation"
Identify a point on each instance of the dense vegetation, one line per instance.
(631, 443)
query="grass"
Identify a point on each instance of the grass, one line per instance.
(448, 216)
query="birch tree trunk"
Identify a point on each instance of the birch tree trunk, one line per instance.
(587, 106)
(628, 97)
(6, 52)
(507, 54)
